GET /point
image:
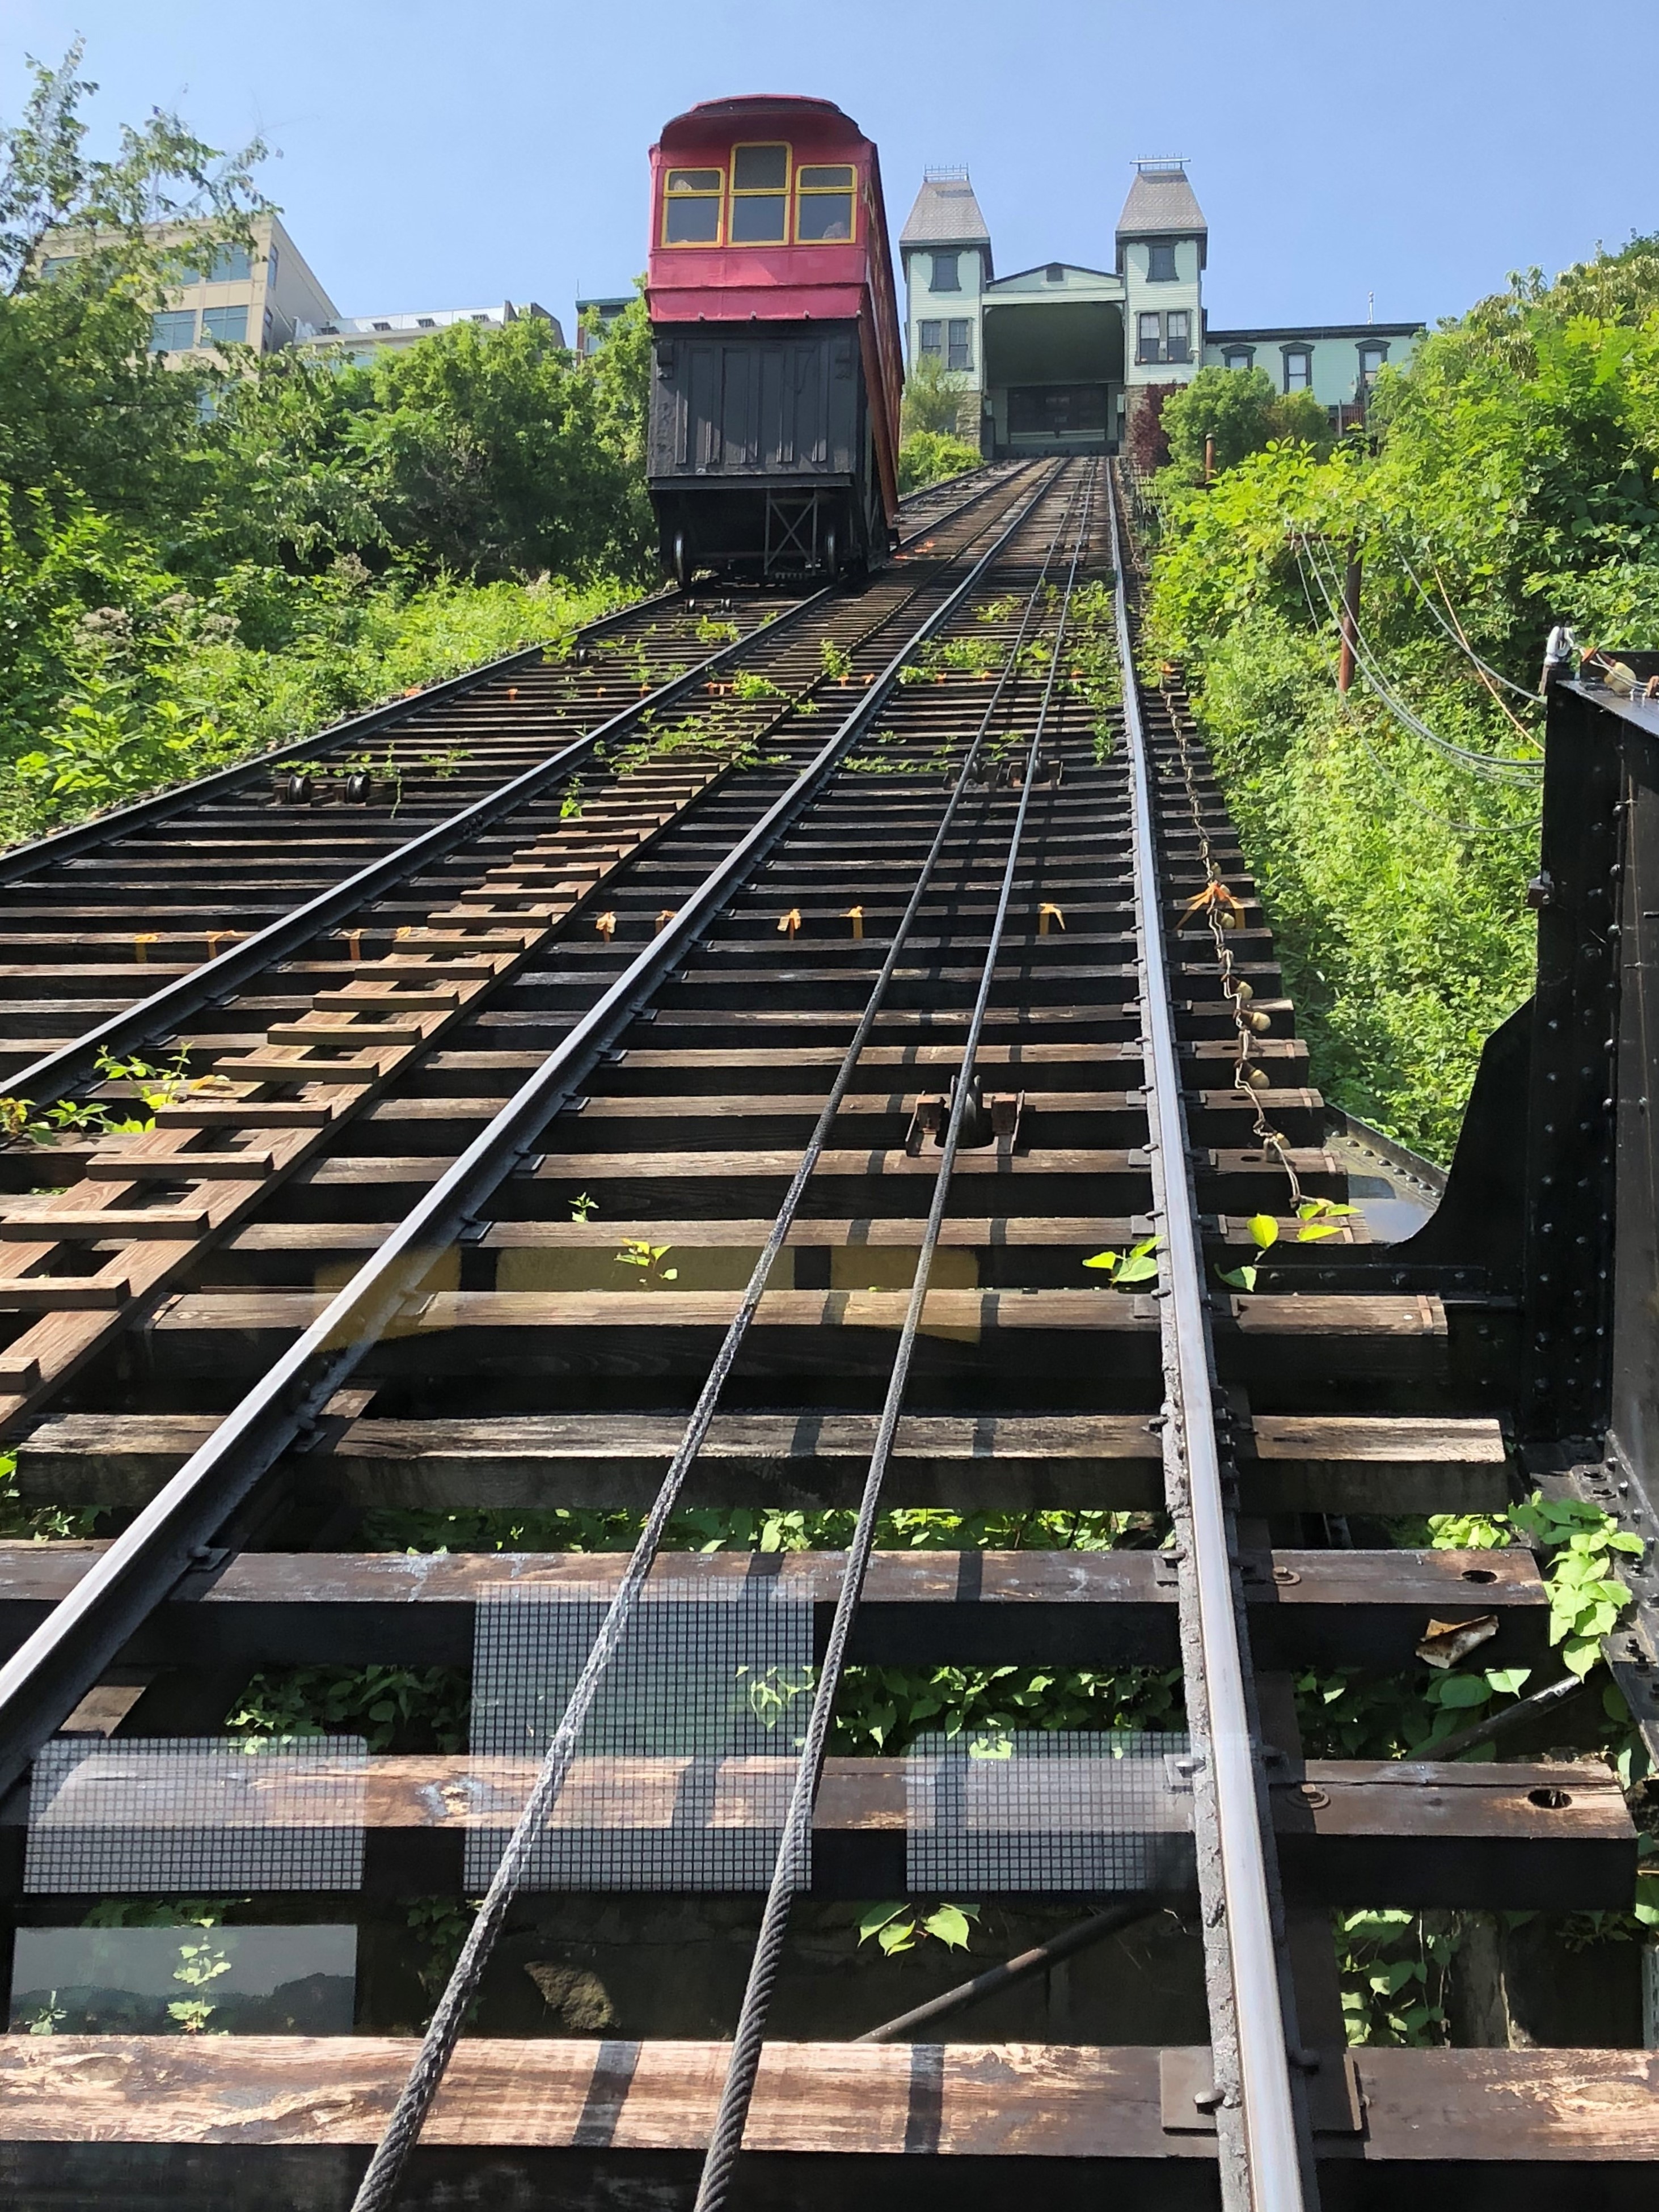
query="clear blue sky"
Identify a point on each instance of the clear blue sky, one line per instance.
(436, 153)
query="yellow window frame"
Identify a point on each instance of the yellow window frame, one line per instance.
(670, 197)
(850, 189)
(786, 190)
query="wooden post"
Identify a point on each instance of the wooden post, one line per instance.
(1209, 457)
(1348, 625)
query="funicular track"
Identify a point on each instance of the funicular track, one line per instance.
(117, 931)
(861, 1063)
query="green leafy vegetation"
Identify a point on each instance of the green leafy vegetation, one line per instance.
(1506, 481)
(929, 456)
(1233, 412)
(200, 563)
(899, 1927)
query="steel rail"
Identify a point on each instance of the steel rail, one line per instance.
(789, 1870)
(378, 2188)
(70, 1065)
(22, 861)
(59, 1661)
(55, 1073)
(1229, 1773)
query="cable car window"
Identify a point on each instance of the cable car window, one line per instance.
(759, 219)
(825, 215)
(691, 207)
(830, 177)
(760, 190)
(760, 169)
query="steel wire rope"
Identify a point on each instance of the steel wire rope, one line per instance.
(1500, 767)
(53, 1665)
(1250, 2013)
(1441, 821)
(403, 2128)
(725, 2139)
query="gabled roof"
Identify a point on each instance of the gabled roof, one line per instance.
(1161, 204)
(1041, 268)
(947, 213)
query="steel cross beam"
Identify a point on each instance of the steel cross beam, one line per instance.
(1229, 1777)
(44, 1678)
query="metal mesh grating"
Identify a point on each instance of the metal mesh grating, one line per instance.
(1040, 1809)
(189, 1813)
(686, 1763)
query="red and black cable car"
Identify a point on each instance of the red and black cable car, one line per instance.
(776, 371)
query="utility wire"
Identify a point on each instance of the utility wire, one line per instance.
(1441, 821)
(1501, 767)
(1455, 631)
(738, 2091)
(377, 2190)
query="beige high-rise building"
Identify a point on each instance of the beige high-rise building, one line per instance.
(265, 295)
(256, 296)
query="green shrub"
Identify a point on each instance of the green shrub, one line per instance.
(926, 456)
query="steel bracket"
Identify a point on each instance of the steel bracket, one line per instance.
(1187, 2096)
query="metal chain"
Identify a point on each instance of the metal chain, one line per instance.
(1220, 907)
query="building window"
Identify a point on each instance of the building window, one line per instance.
(1372, 355)
(823, 203)
(1298, 368)
(271, 266)
(947, 272)
(230, 265)
(931, 337)
(1055, 272)
(1160, 262)
(1149, 338)
(224, 325)
(1177, 333)
(55, 264)
(961, 340)
(173, 330)
(760, 202)
(1238, 357)
(691, 207)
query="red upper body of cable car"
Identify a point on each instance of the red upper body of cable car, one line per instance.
(776, 363)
